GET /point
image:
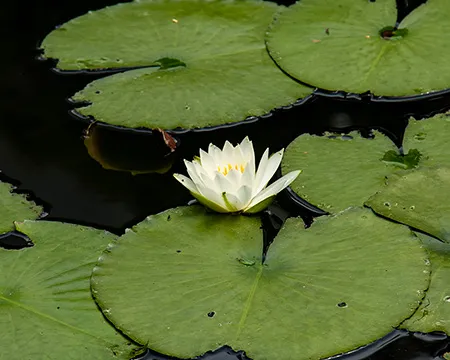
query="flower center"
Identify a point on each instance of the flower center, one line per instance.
(226, 168)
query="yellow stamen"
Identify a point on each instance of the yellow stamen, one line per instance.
(226, 169)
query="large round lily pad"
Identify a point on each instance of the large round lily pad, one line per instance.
(339, 172)
(46, 307)
(434, 313)
(352, 45)
(186, 281)
(15, 207)
(430, 138)
(418, 199)
(204, 62)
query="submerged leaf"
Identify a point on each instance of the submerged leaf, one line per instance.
(353, 46)
(419, 199)
(196, 283)
(187, 64)
(138, 153)
(46, 308)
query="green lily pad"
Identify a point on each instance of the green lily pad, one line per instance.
(204, 63)
(353, 46)
(15, 207)
(46, 305)
(430, 137)
(339, 172)
(434, 313)
(186, 281)
(418, 199)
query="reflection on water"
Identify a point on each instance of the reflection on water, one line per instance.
(14, 241)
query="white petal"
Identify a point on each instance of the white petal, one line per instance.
(237, 156)
(216, 155)
(207, 162)
(212, 196)
(192, 171)
(227, 151)
(244, 195)
(245, 142)
(235, 178)
(202, 177)
(224, 183)
(275, 188)
(264, 175)
(248, 155)
(260, 172)
(248, 177)
(213, 151)
(246, 148)
(188, 183)
(209, 182)
(232, 201)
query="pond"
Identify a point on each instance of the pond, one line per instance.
(81, 173)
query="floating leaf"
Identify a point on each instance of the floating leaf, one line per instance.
(15, 207)
(353, 46)
(46, 305)
(416, 199)
(338, 172)
(185, 282)
(430, 137)
(196, 63)
(434, 313)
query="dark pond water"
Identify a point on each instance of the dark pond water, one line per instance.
(42, 148)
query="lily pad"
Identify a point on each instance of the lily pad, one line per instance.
(434, 313)
(339, 171)
(186, 64)
(418, 199)
(186, 281)
(353, 46)
(46, 305)
(430, 137)
(15, 207)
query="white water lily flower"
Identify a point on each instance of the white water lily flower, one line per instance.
(226, 181)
